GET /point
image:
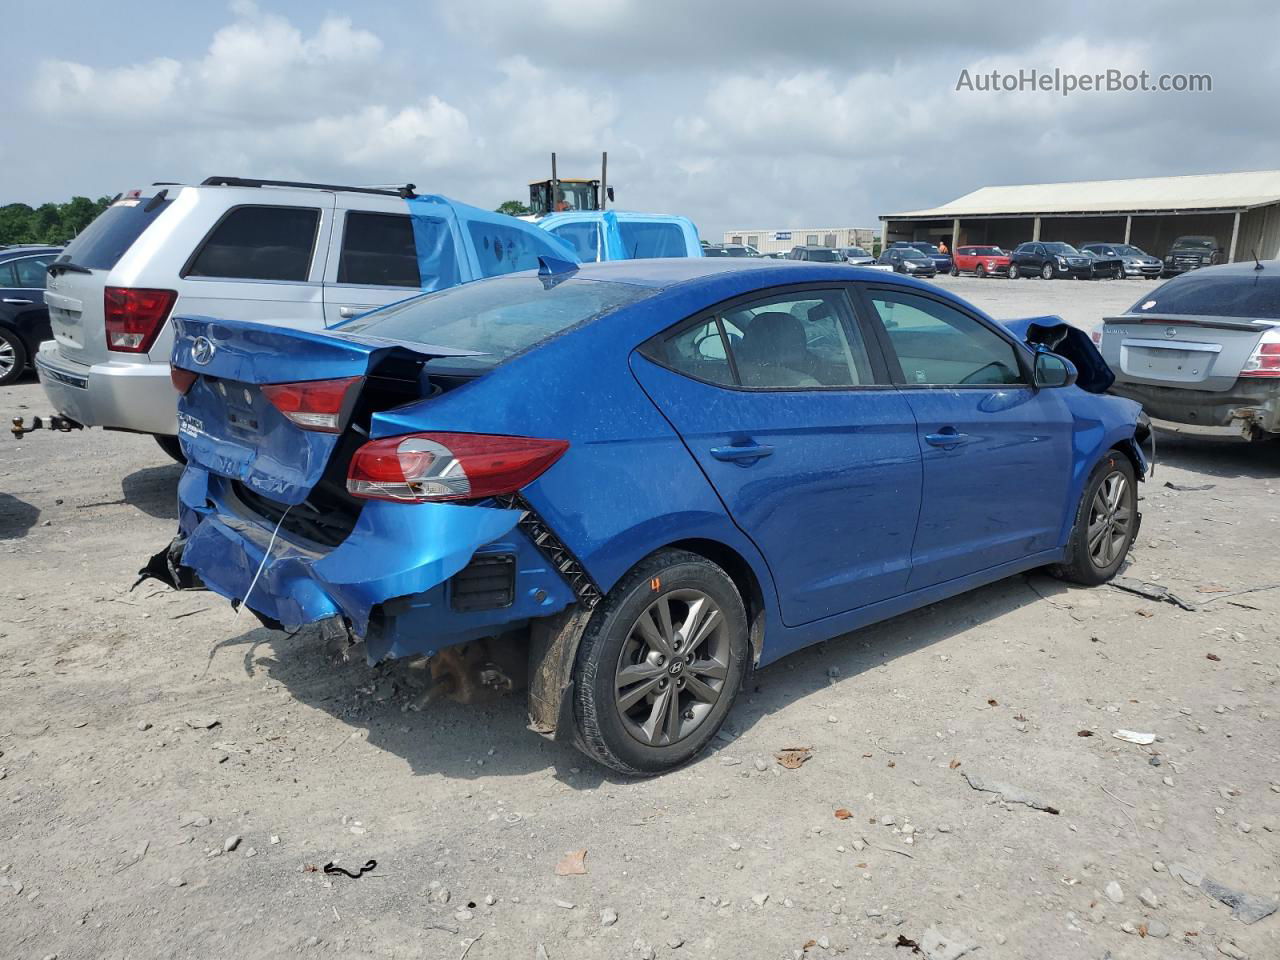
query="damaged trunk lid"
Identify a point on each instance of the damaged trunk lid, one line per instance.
(271, 407)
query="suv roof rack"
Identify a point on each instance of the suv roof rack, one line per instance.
(406, 192)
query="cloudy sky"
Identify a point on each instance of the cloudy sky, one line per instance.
(736, 114)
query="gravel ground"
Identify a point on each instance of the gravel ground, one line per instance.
(172, 777)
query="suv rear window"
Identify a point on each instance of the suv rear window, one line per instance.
(101, 244)
(1251, 297)
(258, 243)
(497, 317)
(378, 251)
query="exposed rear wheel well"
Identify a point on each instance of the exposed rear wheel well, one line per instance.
(743, 577)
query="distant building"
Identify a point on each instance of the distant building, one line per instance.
(783, 239)
(1242, 210)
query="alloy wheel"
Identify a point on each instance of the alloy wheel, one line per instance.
(1110, 520)
(672, 667)
(1047, 271)
(8, 358)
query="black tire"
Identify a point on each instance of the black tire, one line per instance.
(171, 446)
(1013, 271)
(1082, 565)
(604, 730)
(1046, 272)
(955, 271)
(980, 271)
(13, 357)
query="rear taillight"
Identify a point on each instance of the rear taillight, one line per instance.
(182, 379)
(1265, 359)
(313, 404)
(134, 316)
(425, 467)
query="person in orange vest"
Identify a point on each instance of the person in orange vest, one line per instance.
(942, 247)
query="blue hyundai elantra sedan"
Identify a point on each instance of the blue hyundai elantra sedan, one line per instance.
(626, 484)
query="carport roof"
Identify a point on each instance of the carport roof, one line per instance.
(1200, 192)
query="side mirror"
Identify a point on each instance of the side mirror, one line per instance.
(1053, 370)
(609, 191)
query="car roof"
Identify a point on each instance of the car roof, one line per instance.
(7, 253)
(1270, 268)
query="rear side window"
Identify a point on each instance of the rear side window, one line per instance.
(101, 244)
(27, 273)
(1250, 297)
(259, 243)
(643, 241)
(584, 238)
(378, 251)
(496, 318)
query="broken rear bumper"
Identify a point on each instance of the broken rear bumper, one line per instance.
(409, 578)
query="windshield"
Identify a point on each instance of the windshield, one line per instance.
(823, 256)
(911, 253)
(1252, 296)
(1194, 243)
(738, 251)
(855, 252)
(1064, 249)
(1125, 250)
(498, 317)
(928, 249)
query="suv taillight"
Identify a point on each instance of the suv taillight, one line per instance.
(134, 317)
(1265, 360)
(427, 467)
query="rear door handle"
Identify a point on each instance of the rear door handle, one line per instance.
(17, 300)
(354, 311)
(947, 438)
(744, 455)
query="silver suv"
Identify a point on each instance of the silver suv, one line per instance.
(295, 254)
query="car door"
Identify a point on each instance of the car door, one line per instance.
(374, 256)
(22, 296)
(783, 400)
(1023, 258)
(996, 451)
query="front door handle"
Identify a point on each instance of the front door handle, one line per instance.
(17, 300)
(948, 438)
(348, 312)
(744, 455)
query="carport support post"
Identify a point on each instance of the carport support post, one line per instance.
(1128, 228)
(955, 235)
(1035, 229)
(1235, 235)
(884, 235)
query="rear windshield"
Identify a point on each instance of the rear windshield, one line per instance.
(1251, 297)
(823, 256)
(645, 240)
(102, 243)
(498, 317)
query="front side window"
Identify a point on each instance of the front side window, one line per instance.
(259, 243)
(378, 251)
(938, 345)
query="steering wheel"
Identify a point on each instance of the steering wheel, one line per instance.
(997, 365)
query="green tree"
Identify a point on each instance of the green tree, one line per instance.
(52, 223)
(513, 208)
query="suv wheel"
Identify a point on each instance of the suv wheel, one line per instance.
(980, 271)
(1105, 525)
(1013, 271)
(1046, 272)
(660, 664)
(13, 357)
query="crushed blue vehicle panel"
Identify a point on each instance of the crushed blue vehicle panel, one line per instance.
(457, 242)
(598, 236)
(399, 555)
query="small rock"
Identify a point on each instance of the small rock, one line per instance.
(1220, 709)
(462, 913)
(1157, 866)
(1229, 949)
(230, 843)
(873, 912)
(735, 846)
(608, 917)
(1244, 827)
(760, 764)
(440, 895)
(859, 845)
(143, 725)
(202, 723)
(1148, 898)
(675, 942)
(644, 950)
(759, 899)
(251, 852)
(274, 838)
(1167, 781)
(490, 899)
(1128, 927)
(564, 904)
(177, 882)
(943, 828)
(1114, 892)
(831, 718)
(1157, 928)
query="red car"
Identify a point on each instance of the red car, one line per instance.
(980, 261)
